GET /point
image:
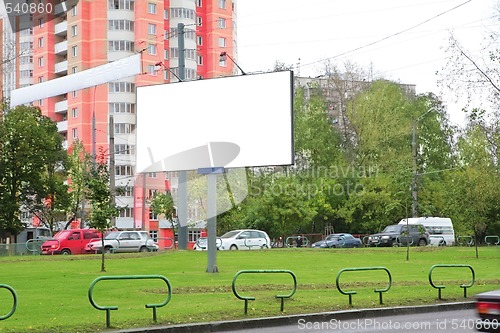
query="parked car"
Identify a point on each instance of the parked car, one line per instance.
(124, 241)
(488, 310)
(72, 241)
(246, 239)
(202, 244)
(338, 240)
(397, 235)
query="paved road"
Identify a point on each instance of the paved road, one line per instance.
(457, 321)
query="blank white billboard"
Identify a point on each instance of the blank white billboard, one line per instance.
(226, 122)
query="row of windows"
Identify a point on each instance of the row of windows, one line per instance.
(126, 212)
(222, 3)
(123, 149)
(125, 191)
(121, 107)
(188, 53)
(121, 87)
(120, 45)
(182, 13)
(124, 128)
(123, 170)
(121, 25)
(188, 33)
(121, 4)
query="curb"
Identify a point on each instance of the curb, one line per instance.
(219, 326)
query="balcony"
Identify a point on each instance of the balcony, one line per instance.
(61, 68)
(61, 48)
(61, 106)
(61, 29)
(62, 126)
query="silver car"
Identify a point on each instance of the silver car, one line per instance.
(246, 239)
(124, 241)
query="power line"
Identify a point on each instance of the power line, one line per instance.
(387, 37)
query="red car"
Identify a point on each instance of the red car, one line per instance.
(71, 241)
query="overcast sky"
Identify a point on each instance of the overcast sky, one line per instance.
(403, 40)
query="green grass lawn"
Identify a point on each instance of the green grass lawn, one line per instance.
(52, 290)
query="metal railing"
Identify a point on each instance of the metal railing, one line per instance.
(35, 245)
(353, 269)
(440, 287)
(264, 271)
(14, 304)
(465, 240)
(495, 240)
(441, 240)
(108, 308)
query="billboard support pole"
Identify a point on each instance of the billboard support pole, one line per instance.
(182, 190)
(212, 216)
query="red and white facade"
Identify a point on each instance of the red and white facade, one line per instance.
(95, 32)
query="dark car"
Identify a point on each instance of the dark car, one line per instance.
(338, 240)
(488, 310)
(397, 235)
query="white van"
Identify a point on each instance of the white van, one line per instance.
(440, 229)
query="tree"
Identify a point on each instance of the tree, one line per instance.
(79, 167)
(102, 205)
(163, 204)
(31, 155)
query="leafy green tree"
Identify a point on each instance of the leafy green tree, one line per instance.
(79, 164)
(31, 164)
(162, 203)
(102, 205)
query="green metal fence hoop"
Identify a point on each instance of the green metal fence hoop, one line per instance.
(464, 286)
(465, 240)
(495, 240)
(128, 277)
(354, 269)
(264, 271)
(14, 304)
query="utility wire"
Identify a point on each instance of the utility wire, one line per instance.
(387, 37)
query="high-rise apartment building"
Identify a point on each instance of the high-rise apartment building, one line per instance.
(78, 35)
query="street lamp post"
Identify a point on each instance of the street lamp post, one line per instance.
(414, 192)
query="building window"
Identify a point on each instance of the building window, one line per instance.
(165, 54)
(123, 170)
(40, 62)
(222, 42)
(151, 29)
(121, 25)
(74, 69)
(40, 22)
(74, 11)
(182, 13)
(124, 191)
(222, 3)
(74, 94)
(152, 70)
(166, 75)
(120, 45)
(221, 22)
(152, 216)
(151, 8)
(152, 49)
(124, 128)
(74, 30)
(122, 107)
(40, 79)
(126, 212)
(40, 42)
(199, 3)
(121, 4)
(165, 14)
(154, 235)
(200, 59)
(116, 87)
(152, 175)
(222, 62)
(199, 40)
(74, 51)
(123, 149)
(74, 132)
(74, 112)
(199, 21)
